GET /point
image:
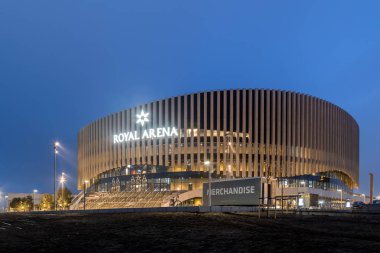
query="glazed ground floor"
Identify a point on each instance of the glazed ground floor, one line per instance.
(321, 190)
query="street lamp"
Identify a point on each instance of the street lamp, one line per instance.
(207, 163)
(267, 174)
(56, 145)
(62, 180)
(34, 199)
(363, 195)
(341, 198)
(229, 171)
(84, 194)
(6, 203)
(227, 150)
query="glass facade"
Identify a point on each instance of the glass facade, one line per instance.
(329, 181)
(136, 178)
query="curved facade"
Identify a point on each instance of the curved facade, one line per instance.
(243, 133)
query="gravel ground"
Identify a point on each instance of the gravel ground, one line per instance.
(184, 232)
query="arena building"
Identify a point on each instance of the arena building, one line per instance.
(298, 140)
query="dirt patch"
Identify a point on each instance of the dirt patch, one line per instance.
(184, 232)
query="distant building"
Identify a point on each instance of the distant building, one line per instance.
(360, 197)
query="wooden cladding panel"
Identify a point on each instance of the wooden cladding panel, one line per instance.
(284, 132)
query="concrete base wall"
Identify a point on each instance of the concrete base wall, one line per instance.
(188, 209)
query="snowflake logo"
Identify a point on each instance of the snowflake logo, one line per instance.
(142, 118)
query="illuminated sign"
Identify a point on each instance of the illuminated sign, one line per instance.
(233, 192)
(142, 118)
(151, 133)
(147, 134)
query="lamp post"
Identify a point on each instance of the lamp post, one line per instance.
(6, 203)
(302, 184)
(341, 198)
(56, 145)
(229, 171)
(34, 199)
(1, 196)
(229, 154)
(84, 194)
(267, 171)
(282, 183)
(207, 163)
(62, 180)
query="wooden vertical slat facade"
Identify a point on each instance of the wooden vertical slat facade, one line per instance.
(226, 156)
(285, 132)
(219, 160)
(250, 132)
(244, 129)
(256, 135)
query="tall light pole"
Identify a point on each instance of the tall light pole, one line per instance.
(6, 203)
(282, 182)
(62, 180)
(267, 173)
(341, 198)
(229, 160)
(371, 188)
(34, 199)
(84, 194)
(207, 163)
(56, 145)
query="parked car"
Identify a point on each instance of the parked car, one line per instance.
(376, 202)
(358, 204)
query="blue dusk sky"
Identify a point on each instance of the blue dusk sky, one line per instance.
(66, 63)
